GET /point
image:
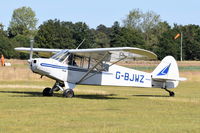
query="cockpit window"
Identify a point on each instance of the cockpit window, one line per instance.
(87, 63)
(75, 60)
(79, 61)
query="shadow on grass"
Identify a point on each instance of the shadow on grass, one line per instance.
(82, 96)
(150, 95)
(98, 96)
(25, 94)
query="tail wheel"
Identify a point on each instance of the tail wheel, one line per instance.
(47, 92)
(171, 94)
(69, 93)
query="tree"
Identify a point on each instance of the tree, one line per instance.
(130, 38)
(141, 21)
(155, 34)
(102, 28)
(7, 47)
(81, 31)
(102, 40)
(1, 26)
(55, 34)
(2, 32)
(133, 19)
(23, 22)
(167, 45)
(115, 34)
(191, 42)
(145, 23)
(125, 37)
(102, 36)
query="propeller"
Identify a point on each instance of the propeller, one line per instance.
(31, 46)
(31, 52)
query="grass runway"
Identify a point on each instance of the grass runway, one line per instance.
(98, 109)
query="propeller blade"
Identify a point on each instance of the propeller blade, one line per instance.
(31, 46)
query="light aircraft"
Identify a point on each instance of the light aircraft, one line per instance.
(71, 67)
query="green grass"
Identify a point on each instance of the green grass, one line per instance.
(100, 110)
(40, 82)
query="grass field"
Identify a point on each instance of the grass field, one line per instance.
(97, 109)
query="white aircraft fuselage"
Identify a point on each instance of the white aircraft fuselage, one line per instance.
(115, 76)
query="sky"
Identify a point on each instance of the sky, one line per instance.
(105, 12)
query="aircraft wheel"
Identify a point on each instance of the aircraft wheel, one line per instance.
(69, 93)
(172, 94)
(47, 92)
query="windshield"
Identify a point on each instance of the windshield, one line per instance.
(61, 56)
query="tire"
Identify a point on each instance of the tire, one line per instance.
(47, 92)
(69, 93)
(172, 94)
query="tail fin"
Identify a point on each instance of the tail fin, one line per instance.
(167, 69)
(166, 73)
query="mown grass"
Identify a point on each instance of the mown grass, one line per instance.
(99, 109)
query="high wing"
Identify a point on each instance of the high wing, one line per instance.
(119, 52)
(98, 53)
(44, 52)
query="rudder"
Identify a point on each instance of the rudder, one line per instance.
(166, 74)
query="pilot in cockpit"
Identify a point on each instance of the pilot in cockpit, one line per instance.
(71, 60)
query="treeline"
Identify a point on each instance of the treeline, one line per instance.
(139, 29)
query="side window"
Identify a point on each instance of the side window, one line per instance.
(71, 60)
(86, 63)
(100, 67)
(74, 60)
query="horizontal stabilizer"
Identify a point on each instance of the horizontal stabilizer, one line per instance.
(182, 79)
(166, 79)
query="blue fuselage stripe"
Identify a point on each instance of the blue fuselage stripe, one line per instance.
(53, 66)
(65, 67)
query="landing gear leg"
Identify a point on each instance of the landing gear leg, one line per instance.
(68, 92)
(58, 86)
(171, 93)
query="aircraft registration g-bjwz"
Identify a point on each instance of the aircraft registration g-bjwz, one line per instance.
(71, 67)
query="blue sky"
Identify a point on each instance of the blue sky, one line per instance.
(103, 11)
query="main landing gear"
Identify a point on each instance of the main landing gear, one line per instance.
(68, 93)
(47, 92)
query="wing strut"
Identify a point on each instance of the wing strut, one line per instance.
(88, 72)
(118, 61)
